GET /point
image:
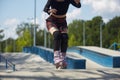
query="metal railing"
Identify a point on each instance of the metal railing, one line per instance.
(115, 46)
(7, 62)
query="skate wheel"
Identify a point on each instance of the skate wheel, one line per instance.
(61, 65)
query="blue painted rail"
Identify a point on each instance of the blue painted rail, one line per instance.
(8, 63)
(102, 56)
(47, 54)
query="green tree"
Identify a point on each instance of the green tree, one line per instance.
(9, 45)
(1, 34)
(9, 48)
(88, 32)
(95, 30)
(1, 37)
(25, 33)
(23, 40)
(112, 32)
(75, 31)
(40, 38)
(72, 41)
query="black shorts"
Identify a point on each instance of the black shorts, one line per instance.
(59, 24)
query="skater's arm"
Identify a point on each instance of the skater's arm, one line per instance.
(76, 3)
(47, 7)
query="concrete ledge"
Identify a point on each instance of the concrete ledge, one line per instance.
(102, 56)
(47, 54)
(76, 63)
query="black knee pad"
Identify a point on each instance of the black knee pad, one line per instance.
(64, 42)
(64, 36)
(57, 35)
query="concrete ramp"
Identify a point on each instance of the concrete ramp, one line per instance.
(27, 62)
(88, 55)
(103, 51)
(33, 67)
(89, 63)
(47, 54)
(102, 56)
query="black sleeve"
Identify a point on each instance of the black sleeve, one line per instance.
(74, 4)
(47, 6)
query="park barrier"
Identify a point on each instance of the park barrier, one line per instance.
(47, 54)
(102, 56)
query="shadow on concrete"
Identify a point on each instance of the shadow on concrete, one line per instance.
(35, 66)
(31, 78)
(103, 75)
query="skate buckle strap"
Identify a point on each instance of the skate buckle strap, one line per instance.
(57, 58)
(62, 56)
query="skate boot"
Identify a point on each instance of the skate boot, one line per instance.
(59, 60)
(62, 64)
(63, 57)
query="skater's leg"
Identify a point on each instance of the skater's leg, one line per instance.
(60, 39)
(64, 45)
(64, 39)
(58, 59)
(57, 41)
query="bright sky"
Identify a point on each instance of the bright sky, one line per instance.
(13, 12)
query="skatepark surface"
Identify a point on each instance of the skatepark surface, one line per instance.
(33, 67)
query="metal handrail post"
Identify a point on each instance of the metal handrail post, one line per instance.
(6, 63)
(0, 59)
(13, 67)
